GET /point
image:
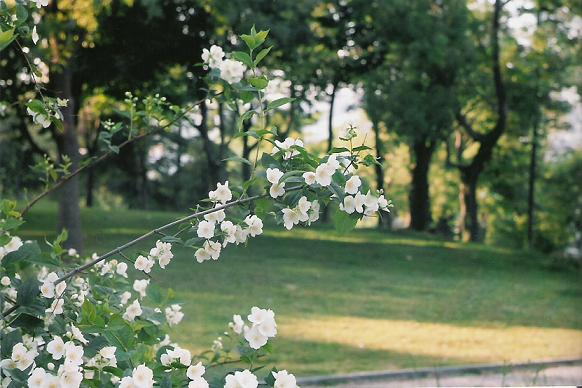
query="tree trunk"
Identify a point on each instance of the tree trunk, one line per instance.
(212, 165)
(330, 117)
(469, 216)
(89, 188)
(385, 219)
(419, 198)
(246, 153)
(68, 194)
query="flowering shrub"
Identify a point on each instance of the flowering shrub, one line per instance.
(66, 324)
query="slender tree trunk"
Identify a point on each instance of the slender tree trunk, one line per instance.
(469, 217)
(89, 188)
(68, 195)
(212, 165)
(419, 198)
(246, 153)
(385, 219)
(531, 185)
(330, 117)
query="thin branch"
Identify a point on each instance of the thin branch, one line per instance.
(106, 155)
(468, 127)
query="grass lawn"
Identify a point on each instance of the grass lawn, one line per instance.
(363, 301)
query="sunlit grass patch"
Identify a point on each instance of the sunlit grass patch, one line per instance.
(451, 343)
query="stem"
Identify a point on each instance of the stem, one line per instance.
(106, 155)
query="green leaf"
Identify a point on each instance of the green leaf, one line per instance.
(245, 116)
(343, 222)
(6, 37)
(279, 102)
(259, 82)
(337, 190)
(27, 292)
(262, 54)
(268, 160)
(260, 37)
(337, 150)
(361, 148)
(237, 159)
(243, 57)
(8, 341)
(249, 40)
(29, 252)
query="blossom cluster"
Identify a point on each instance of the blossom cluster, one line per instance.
(230, 70)
(215, 225)
(261, 327)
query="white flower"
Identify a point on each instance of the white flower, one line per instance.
(37, 378)
(371, 203)
(323, 175)
(216, 216)
(13, 245)
(195, 371)
(182, 355)
(72, 252)
(78, 335)
(5, 281)
(264, 327)
(290, 217)
(213, 57)
(229, 230)
(210, 250)
(127, 382)
(35, 36)
(22, 357)
(121, 269)
(222, 193)
(286, 145)
(273, 175)
(198, 382)
(359, 201)
(47, 289)
(277, 190)
(39, 118)
(213, 248)
(353, 184)
(314, 212)
(133, 310)
(70, 378)
(383, 203)
(244, 379)
(201, 255)
(241, 235)
(332, 163)
(140, 286)
(255, 225)
(284, 379)
(73, 354)
(205, 229)
(349, 204)
(303, 207)
(232, 71)
(237, 324)
(174, 315)
(40, 3)
(106, 268)
(56, 307)
(309, 177)
(144, 264)
(124, 298)
(143, 377)
(162, 252)
(108, 352)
